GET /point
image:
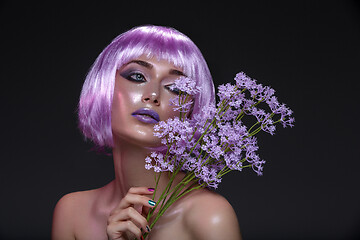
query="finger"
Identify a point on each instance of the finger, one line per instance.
(126, 201)
(141, 190)
(132, 199)
(117, 229)
(129, 214)
(145, 211)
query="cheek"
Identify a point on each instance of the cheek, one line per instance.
(116, 110)
(167, 109)
(124, 103)
(129, 96)
(132, 98)
(127, 93)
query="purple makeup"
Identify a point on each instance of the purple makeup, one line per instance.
(146, 115)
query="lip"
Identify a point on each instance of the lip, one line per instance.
(146, 115)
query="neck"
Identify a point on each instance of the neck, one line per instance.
(129, 165)
(129, 162)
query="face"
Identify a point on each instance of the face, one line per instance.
(141, 99)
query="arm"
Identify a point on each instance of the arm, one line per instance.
(212, 217)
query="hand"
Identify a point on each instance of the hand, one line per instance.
(124, 221)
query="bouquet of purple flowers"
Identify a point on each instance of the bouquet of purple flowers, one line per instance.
(209, 145)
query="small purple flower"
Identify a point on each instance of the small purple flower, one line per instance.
(226, 91)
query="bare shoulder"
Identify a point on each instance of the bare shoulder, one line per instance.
(67, 211)
(75, 201)
(210, 216)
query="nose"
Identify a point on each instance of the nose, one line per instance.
(151, 97)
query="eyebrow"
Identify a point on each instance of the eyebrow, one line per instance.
(142, 63)
(150, 66)
(177, 72)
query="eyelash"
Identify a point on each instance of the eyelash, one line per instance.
(175, 90)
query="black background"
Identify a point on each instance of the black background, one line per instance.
(308, 51)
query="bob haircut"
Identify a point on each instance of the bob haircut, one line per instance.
(164, 43)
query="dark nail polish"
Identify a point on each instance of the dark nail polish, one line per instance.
(148, 228)
(151, 189)
(152, 203)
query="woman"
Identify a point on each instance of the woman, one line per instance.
(125, 93)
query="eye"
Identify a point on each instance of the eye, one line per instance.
(134, 76)
(173, 89)
(138, 77)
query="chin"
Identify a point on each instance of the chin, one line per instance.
(138, 138)
(148, 143)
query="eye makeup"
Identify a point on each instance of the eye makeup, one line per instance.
(133, 75)
(173, 89)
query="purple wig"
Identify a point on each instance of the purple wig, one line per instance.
(152, 41)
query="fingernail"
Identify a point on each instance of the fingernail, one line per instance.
(152, 203)
(151, 189)
(148, 228)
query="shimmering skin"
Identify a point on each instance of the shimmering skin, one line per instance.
(130, 96)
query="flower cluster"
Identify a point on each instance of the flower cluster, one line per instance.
(216, 141)
(186, 88)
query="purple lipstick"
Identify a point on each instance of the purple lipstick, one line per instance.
(146, 115)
